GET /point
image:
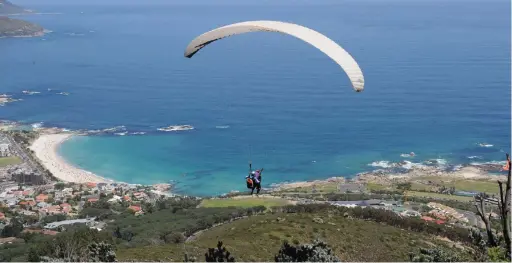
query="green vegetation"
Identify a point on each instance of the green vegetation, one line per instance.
(79, 245)
(434, 255)
(218, 254)
(459, 184)
(11, 160)
(439, 196)
(351, 240)
(23, 136)
(319, 251)
(475, 186)
(356, 234)
(421, 187)
(244, 202)
(170, 222)
(322, 187)
(376, 187)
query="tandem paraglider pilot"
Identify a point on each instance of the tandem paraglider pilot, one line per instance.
(253, 181)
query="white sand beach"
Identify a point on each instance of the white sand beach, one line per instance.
(45, 148)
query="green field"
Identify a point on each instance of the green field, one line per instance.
(244, 202)
(460, 184)
(376, 187)
(477, 186)
(5, 161)
(258, 238)
(324, 187)
(441, 196)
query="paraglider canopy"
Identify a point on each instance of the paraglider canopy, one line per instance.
(321, 42)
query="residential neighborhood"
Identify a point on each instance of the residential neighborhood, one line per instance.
(68, 200)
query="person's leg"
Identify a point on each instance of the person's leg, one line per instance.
(259, 188)
(252, 189)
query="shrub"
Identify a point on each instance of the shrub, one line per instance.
(319, 251)
(218, 254)
(433, 255)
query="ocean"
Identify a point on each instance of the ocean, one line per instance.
(437, 83)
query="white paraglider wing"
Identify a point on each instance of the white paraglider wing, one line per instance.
(321, 42)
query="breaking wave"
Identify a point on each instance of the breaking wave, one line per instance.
(29, 92)
(407, 165)
(382, 164)
(75, 34)
(490, 162)
(115, 129)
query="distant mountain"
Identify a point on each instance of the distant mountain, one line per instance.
(14, 27)
(18, 28)
(8, 8)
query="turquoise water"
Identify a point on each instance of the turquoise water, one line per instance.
(437, 83)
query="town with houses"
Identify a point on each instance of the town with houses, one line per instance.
(48, 205)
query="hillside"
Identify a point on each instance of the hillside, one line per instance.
(351, 239)
(8, 8)
(359, 222)
(18, 28)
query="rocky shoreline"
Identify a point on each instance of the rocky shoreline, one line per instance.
(10, 27)
(388, 176)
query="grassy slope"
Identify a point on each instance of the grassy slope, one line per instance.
(244, 202)
(4, 161)
(352, 240)
(440, 196)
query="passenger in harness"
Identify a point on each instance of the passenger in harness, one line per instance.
(249, 182)
(256, 179)
(253, 180)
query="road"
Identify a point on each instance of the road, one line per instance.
(22, 153)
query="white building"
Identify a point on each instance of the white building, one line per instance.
(5, 150)
(114, 199)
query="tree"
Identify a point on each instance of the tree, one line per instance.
(13, 229)
(76, 244)
(147, 207)
(479, 243)
(59, 186)
(433, 255)
(480, 207)
(33, 256)
(504, 210)
(319, 251)
(101, 252)
(504, 207)
(404, 186)
(218, 254)
(175, 238)
(50, 200)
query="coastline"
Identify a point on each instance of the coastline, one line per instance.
(386, 177)
(45, 148)
(37, 34)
